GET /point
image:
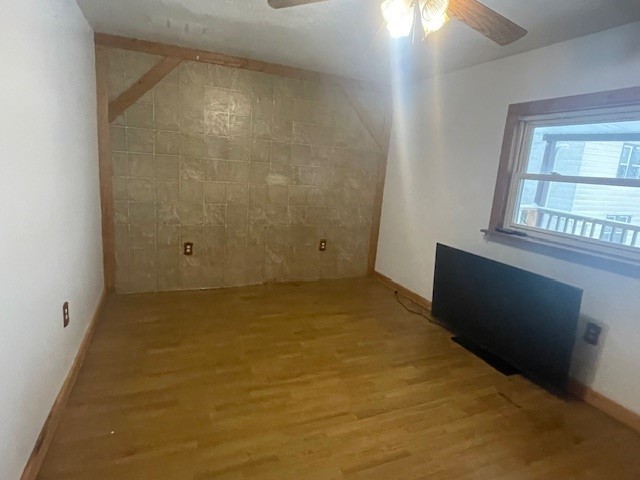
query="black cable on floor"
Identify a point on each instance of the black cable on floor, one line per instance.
(415, 312)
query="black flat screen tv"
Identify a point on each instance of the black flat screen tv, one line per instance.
(525, 319)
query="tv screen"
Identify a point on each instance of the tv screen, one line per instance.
(523, 318)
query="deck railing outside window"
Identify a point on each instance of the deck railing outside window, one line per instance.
(549, 219)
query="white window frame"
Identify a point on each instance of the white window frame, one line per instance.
(521, 121)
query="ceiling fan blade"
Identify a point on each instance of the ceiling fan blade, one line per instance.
(484, 20)
(290, 3)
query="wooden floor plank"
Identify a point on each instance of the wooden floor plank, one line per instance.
(324, 380)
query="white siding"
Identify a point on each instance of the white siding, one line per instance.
(601, 160)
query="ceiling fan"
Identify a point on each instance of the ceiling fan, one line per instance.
(409, 17)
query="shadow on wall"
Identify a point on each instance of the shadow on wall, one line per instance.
(608, 265)
(586, 357)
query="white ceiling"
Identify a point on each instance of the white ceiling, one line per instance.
(344, 36)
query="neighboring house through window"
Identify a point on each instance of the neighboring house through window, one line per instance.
(570, 174)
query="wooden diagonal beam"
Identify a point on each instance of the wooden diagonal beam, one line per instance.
(156, 48)
(142, 86)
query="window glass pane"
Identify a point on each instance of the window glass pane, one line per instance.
(634, 164)
(622, 171)
(607, 213)
(590, 150)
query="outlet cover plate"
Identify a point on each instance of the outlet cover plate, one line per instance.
(65, 314)
(592, 333)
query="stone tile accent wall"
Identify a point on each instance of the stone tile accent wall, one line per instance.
(254, 169)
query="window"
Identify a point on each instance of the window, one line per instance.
(613, 233)
(570, 174)
(629, 166)
(620, 218)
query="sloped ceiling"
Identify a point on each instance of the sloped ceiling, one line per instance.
(345, 36)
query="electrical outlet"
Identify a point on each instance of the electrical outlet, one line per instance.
(592, 333)
(188, 248)
(65, 314)
(323, 245)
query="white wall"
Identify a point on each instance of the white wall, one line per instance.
(441, 176)
(50, 235)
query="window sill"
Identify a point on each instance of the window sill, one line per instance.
(584, 255)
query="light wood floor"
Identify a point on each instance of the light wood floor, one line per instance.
(318, 381)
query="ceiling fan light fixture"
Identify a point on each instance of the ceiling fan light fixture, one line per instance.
(398, 15)
(434, 24)
(434, 8)
(434, 15)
